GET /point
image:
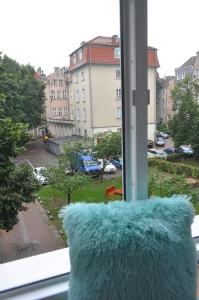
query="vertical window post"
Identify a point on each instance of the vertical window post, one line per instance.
(133, 22)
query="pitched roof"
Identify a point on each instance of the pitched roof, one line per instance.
(100, 50)
(189, 62)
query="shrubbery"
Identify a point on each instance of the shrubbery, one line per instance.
(174, 168)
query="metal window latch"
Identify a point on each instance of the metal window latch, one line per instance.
(134, 97)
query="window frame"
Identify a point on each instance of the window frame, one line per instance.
(133, 22)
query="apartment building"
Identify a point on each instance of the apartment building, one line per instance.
(96, 86)
(189, 68)
(59, 116)
(164, 106)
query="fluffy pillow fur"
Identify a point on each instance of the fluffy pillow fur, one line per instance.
(131, 251)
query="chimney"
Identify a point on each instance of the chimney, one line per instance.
(115, 39)
(56, 69)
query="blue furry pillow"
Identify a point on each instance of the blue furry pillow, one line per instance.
(131, 251)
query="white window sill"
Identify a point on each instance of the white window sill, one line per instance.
(36, 277)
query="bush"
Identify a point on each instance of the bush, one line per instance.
(174, 168)
(175, 157)
(196, 151)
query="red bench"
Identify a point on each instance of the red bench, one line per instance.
(112, 191)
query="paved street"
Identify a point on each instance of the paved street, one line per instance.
(37, 154)
(33, 234)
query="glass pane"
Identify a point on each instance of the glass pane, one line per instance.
(75, 76)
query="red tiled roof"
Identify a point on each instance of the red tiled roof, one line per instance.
(100, 50)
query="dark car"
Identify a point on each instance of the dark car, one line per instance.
(150, 143)
(117, 162)
(171, 150)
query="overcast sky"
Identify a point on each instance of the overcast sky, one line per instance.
(44, 32)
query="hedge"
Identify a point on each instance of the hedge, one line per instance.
(174, 168)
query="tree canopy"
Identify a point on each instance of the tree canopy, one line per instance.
(21, 95)
(17, 183)
(185, 123)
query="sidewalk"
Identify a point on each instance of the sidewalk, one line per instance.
(32, 235)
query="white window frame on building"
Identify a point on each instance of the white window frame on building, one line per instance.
(118, 94)
(60, 111)
(54, 111)
(77, 96)
(84, 114)
(76, 78)
(118, 112)
(74, 59)
(83, 75)
(58, 95)
(60, 82)
(83, 95)
(52, 95)
(55, 82)
(117, 52)
(80, 54)
(64, 94)
(78, 114)
(65, 111)
(117, 73)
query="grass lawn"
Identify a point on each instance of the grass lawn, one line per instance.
(191, 162)
(160, 183)
(92, 192)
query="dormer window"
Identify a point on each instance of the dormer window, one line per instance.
(117, 52)
(74, 59)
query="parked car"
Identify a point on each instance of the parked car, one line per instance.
(109, 168)
(39, 174)
(159, 141)
(186, 149)
(150, 143)
(118, 162)
(157, 153)
(164, 135)
(86, 164)
(170, 150)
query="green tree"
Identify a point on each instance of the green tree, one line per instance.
(22, 96)
(185, 122)
(17, 186)
(67, 183)
(17, 183)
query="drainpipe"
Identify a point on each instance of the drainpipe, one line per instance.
(90, 88)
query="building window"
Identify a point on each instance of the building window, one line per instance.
(64, 94)
(77, 95)
(183, 75)
(65, 111)
(58, 95)
(78, 115)
(80, 54)
(83, 76)
(117, 52)
(52, 95)
(178, 76)
(84, 114)
(119, 113)
(74, 59)
(85, 133)
(54, 111)
(55, 82)
(118, 94)
(60, 82)
(83, 95)
(117, 74)
(119, 130)
(76, 78)
(60, 111)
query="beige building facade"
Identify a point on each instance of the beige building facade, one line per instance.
(59, 120)
(96, 86)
